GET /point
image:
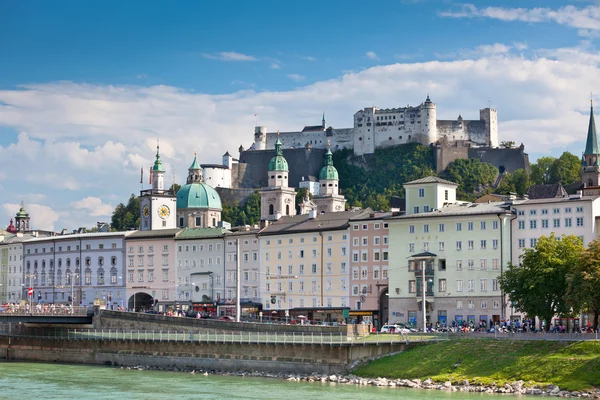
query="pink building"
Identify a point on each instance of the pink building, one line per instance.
(369, 268)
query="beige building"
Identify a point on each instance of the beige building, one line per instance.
(151, 270)
(460, 248)
(249, 258)
(305, 265)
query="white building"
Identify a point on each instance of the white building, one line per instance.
(11, 256)
(88, 267)
(574, 215)
(201, 268)
(462, 247)
(250, 282)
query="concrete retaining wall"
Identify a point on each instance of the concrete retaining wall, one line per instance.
(301, 359)
(107, 319)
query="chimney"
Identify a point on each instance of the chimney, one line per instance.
(312, 214)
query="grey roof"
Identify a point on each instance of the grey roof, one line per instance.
(546, 191)
(430, 179)
(251, 231)
(160, 233)
(373, 216)
(93, 235)
(322, 222)
(556, 200)
(452, 210)
(17, 238)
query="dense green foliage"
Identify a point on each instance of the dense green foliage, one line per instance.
(369, 181)
(564, 170)
(471, 175)
(538, 286)
(126, 217)
(583, 290)
(247, 213)
(571, 366)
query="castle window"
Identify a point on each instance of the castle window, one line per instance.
(390, 138)
(323, 185)
(278, 176)
(399, 137)
(271, 211)
(287, 209)
(198, 221)
(330, 185)
(360, 138)
(181, 222)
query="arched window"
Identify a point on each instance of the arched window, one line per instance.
(287, 209)
(68, 262)
(113, 261)
(77, 262)
(271, 209)
(59, 262)
(88, 261)
(100, 276)
(68, 276)
(113, 276)
(88, 276)
(100, 261)
(59, 277)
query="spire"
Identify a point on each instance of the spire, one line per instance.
(194, 165)
(592, 146)
(278, 146)
(158, 167)
(195, 172)
(323, 120)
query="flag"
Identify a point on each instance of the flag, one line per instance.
(150, 173)
(30, 292)
(142, 175)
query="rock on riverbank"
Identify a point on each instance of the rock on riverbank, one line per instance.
(517, 388)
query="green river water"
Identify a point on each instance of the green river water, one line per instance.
(58, 381)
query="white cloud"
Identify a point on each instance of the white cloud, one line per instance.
(274, 66)
(81, 140)
(94, 205)
(307, 58)
(371, 55)
(587, 18)
(229, 56)
(296, 77)
(42, 217)
(520, 46)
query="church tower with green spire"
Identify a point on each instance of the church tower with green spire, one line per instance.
(157, 205)
(329, 199)
(590, 168)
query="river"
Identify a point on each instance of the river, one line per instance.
(58, 381)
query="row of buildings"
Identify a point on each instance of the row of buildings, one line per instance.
(437, 259)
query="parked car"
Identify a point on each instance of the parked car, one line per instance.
(227, 319)
(394, 329)
(405, 326)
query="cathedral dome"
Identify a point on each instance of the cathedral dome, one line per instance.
(278, 163)
(198, 195)
(328, 172)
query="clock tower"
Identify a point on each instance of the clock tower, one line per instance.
(157, 205)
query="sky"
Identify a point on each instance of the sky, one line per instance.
(87, 88)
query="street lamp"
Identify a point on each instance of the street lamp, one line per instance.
(423, 290)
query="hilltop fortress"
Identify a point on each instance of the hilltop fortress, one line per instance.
(374, 128)
(378, 128)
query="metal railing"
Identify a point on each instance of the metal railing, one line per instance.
(43, 310)
(333, 339)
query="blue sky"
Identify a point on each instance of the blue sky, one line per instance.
(86, 88)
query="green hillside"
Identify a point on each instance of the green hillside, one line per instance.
(569, 365)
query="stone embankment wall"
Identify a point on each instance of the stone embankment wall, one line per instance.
(289, 358)
(107, 319)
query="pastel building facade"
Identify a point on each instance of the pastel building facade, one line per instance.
(461, 248)
(250, 280)
(151, 269)
(369, 261)
(89, 268)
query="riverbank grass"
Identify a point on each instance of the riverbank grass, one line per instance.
(569, 365)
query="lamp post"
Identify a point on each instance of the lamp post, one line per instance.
(423, 288)
(238, 306)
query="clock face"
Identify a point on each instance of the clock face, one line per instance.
(163, 211)
(146, 211)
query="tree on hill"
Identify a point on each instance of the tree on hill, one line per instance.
(540, 171)
(565, 169)
(175, 188)
(126, 217)
(538, 287)
(470, 175)
(520, 180)
(583, 290)
(246, 214)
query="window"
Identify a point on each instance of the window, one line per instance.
(364, 256)
(458, 245)
(544, 223)
(446, 195)
(471, 285)
(470, 265)
(421, 192)
(376, 273)
(441, 285)
(495, 264)
(441, 246)
(483, 244)
(469, 226)
(365, 227)
(355, 227)
(426, 228)
(411, 229)
(426, 209)
(556, 211)
(568, 209)
(459, 305)
(579, 209)
(532, 212)
(495, 224)
(459, 285)
(532, 242)
(411, 247)
(483, 284)
(521, 224)
(459, 265)
(521, 243)
(568, 222)
(579, 221)
(416, 209)
(425, 246)
(314, 268)
(442, 265)
(483, 263)
(471, 244)
(441, 228)
(533, 224)
(482, 225)
(495, 285)
(556, 223)
(459, 226)
(412, 286)
(365, 241)
(377, 240)
(494, 243)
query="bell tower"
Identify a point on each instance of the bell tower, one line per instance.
(590, 166)
(22, 220)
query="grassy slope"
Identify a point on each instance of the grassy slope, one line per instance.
(569, 365)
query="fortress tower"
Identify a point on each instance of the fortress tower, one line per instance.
(490, 117)
(260, 138)
(428, 122)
